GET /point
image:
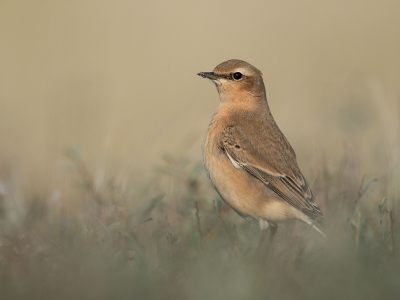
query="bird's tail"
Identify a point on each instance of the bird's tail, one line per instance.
(318, 224)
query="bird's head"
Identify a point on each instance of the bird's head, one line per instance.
(236, 79)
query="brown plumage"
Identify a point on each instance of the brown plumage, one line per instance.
(247, 157)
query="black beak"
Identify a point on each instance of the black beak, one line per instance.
(209, 75)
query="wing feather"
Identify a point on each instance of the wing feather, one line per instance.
(282, 177)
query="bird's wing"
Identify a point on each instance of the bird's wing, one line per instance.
(275, 165)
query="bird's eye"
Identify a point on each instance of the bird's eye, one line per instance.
(237, 76)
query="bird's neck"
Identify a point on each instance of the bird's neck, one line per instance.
(243, 101)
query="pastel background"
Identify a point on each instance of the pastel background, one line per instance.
(117, 79)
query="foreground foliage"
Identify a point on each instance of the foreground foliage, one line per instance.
(177, 240)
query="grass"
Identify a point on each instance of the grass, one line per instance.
(177, 240)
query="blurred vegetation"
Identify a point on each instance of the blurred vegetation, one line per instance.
(77, 73)
(177, 240)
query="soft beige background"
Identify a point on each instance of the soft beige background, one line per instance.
(118, 78)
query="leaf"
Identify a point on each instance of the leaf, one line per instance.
(367, 186)
(382, 206)
(218, 206)
(145, 221)
(153, 203)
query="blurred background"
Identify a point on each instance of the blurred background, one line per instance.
(117, 79)
(102, 117)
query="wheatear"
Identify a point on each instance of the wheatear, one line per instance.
(248, 159)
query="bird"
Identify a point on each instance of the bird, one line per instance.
(248, 159)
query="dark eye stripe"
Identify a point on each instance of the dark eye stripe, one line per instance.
(230, 76)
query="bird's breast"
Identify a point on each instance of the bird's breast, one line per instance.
(232, 184)
(213, 153)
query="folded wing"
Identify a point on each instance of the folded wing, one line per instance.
(275, 165)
